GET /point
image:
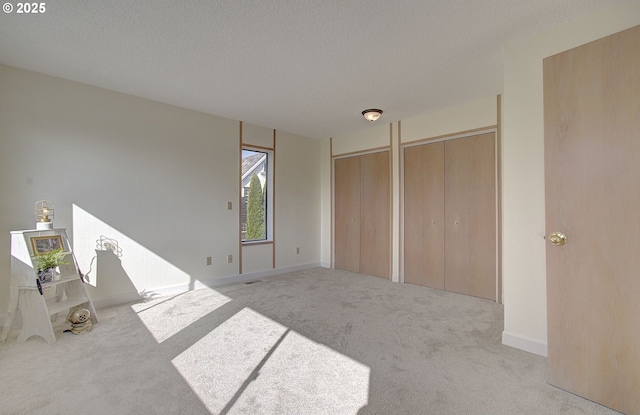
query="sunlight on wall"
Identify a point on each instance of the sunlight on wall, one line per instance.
(131, 266)
(252, 361)
(152, 313)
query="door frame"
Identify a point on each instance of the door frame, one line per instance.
(463, 134)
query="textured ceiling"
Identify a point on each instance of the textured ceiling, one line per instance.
(304, 66)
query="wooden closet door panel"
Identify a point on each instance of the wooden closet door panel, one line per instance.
(415, 262)
(592, 195)
(470, 216)
(347, 214)
(434, 202)
(424, 215)
(375, 207)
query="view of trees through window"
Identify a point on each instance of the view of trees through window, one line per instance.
(254, 195)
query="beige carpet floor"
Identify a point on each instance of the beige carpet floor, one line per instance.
(312, 342)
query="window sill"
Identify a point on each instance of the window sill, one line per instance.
(250, 243)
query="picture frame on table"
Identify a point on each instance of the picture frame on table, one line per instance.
(44, 244)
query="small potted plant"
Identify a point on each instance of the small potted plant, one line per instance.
(48, 262)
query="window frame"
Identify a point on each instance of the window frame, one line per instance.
(269, 202)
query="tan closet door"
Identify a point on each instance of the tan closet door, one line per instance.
(470, 216)
(424, 215)
(347, 214)
(375, 207)
(592, 184)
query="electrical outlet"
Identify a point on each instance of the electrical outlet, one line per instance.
(297, 250)
(208, 260)
(229, 206)
(229, 259)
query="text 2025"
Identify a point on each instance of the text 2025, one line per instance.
(31, 8)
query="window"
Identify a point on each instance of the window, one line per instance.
(255, 195)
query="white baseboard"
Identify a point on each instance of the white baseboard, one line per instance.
(325, 264)
(524, 343)
(209, 282)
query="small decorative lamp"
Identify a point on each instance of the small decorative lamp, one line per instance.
(44, 214)
(371, 114)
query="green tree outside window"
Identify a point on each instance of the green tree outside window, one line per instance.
(256, 228)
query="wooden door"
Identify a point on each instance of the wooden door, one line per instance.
(470, 216)
(347, 214)
(592, 185)
(424, 215)
(375, 208)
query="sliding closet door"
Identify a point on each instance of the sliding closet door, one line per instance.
(347, 214)
(376, 217)
(424, 215)
(470, 216)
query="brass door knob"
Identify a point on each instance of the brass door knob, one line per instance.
(558, 238)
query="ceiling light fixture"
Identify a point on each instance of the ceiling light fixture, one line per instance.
(371, 114)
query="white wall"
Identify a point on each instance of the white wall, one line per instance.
(471, 115)
(297, 200)
(524, 275)
(154, 177)
(375, 136)
(325, 201)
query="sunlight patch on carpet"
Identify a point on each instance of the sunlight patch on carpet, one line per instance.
(166, 316)
(251, 361)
